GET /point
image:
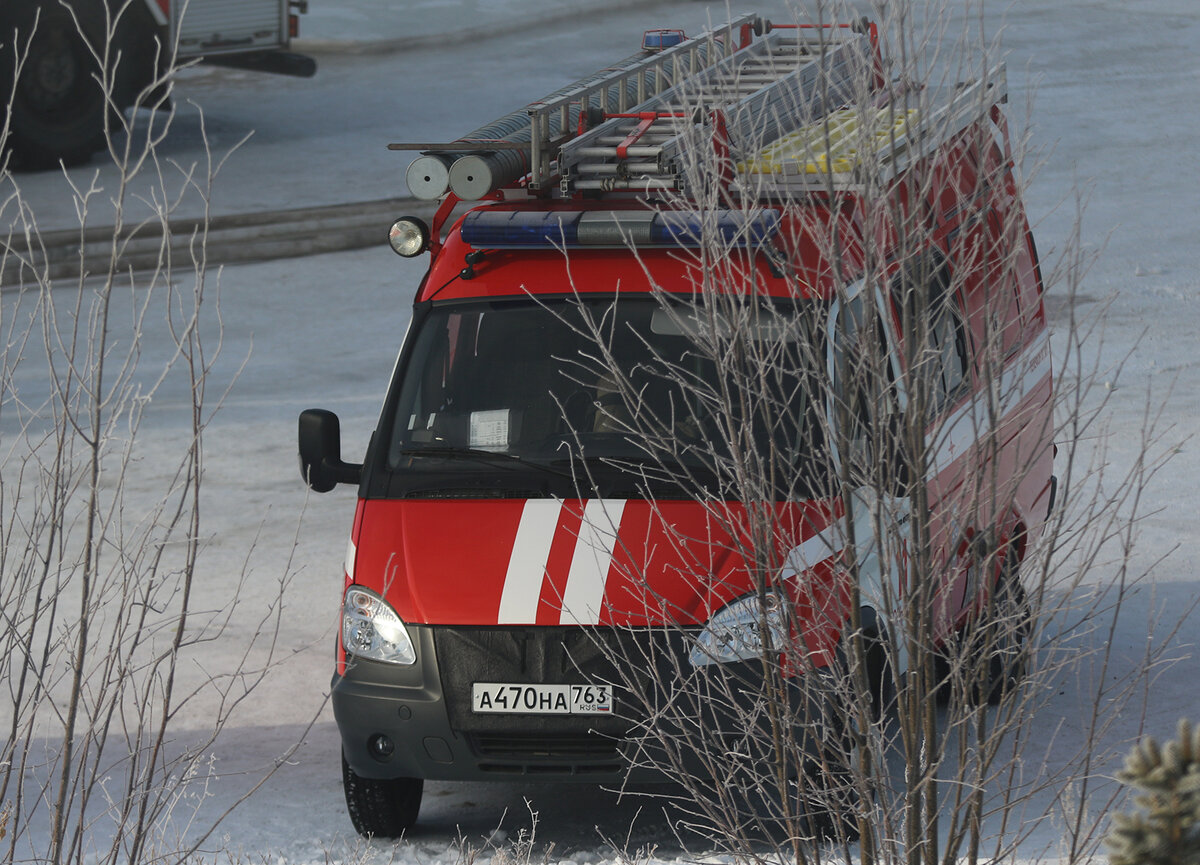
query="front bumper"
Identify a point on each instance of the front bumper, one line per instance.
(425, 709)
(425, 712)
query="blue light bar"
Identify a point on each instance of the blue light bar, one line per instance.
(520, 228)
(487, 229)
(733, 227)
(658, 40)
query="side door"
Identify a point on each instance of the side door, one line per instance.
(952, 425)
(865, 418)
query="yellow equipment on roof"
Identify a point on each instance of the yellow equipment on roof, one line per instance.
(834, 144)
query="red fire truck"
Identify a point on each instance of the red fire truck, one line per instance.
(57, 108)
(515, 524)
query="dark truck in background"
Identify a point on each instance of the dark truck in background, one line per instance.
(52, 51)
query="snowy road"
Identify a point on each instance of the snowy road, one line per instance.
(1115, 113)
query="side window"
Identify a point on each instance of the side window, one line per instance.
(932, 313)
(947, 342)
(865, 405)
(427, 404)
(1003, 267)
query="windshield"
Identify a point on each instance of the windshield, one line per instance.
(627, 387)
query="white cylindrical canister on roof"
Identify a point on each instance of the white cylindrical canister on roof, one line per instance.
(428, 176)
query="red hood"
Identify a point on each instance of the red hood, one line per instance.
(550, 562)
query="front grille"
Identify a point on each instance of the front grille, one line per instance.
(647, 668)
(517, 746)
(548, 655)
(525, 754)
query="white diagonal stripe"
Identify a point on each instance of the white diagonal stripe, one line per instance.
(584, 593)
(527, 563)
(964, 426)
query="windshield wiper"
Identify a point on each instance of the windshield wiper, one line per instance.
(454, 453)
(634, 462)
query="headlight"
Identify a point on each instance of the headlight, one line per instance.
(742, 631)
(371, 629)
(408, 236)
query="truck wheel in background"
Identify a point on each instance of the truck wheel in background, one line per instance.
(381, 807)
(57, 105)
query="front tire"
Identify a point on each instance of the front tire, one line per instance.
(840, 783)
(381, 807)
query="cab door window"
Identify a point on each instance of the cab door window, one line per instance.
(931, 316)
(865, 400)
(947, 345)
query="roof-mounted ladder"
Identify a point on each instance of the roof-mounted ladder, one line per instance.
(777, 84)
(525, 142)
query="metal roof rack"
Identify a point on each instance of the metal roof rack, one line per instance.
(523, 145)
(792, 110)
(771, 87)
(868, 142)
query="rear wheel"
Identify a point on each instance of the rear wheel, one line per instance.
(381, 807)
(988, 657)
(1005, 631)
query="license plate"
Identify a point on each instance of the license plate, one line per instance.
(542, 699)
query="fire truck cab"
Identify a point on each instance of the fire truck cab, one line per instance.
(509, 525)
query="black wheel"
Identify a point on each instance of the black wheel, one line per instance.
(988, 657)
(1008, 622)
(800, 784)
(836, 798)
(381, 807)
(832, 803)
(58, 105)
(881, 677)
(823, 801)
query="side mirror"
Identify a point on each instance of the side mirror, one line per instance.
(321, 465)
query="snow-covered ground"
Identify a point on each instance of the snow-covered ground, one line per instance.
(1113, 89)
